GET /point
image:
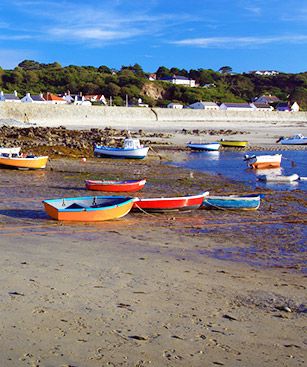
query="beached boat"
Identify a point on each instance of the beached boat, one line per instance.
(232, 202)
(131, 149)
(170, 203)
(115, 186)
(5, 150)
(233, 143)
(88, 208)
(14, 160)
(279, 178)
(298, 139)
(204, 146)
(263, 161)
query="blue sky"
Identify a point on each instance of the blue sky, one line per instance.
(244, 34)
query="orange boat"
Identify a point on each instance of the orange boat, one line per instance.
(263, 161)
(115, 186)
(23, 162)
(89, 208)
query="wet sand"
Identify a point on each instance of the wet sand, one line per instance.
(146, 290)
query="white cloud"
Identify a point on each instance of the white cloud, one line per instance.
(235, 42)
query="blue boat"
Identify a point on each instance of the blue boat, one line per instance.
(232, 202)
(204, 146)
(131, 149)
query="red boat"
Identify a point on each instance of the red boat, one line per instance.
(170, 204)
(115, 186)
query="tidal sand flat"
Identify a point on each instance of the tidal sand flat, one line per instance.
(147, 289)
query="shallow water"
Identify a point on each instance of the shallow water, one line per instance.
(231, 164)
(272, 240)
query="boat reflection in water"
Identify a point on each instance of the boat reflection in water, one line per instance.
(213, 155)
(269, 171)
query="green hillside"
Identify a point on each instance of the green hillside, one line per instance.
(132, 81)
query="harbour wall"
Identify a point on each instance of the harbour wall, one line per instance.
(140, 117)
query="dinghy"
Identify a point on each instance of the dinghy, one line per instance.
(115, 186)
(233, 143)
(263, 161)
(279, 178)
(131, 149)
(232, 202)
(298, 139)
(170, 203)
(14, 160)
(204, 146)
(89, 208)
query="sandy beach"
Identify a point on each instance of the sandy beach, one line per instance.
(148, 289)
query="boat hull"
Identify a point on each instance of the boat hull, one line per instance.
(232, 202)
(170, 204)
(294, 140)
(80, 209)
(204, 146)
(234, 143)
(24, 163)
(109, 152)
(279, 178)
(115, 186)
(264, 161)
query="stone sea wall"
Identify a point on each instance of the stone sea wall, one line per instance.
(136, 117)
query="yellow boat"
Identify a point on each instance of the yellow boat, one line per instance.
(233, 143)
(23, 162)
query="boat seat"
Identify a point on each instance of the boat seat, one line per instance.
(75, 206)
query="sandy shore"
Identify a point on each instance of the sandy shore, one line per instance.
(146, 290)
(142, 290)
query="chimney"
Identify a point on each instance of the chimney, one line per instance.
(15, 93)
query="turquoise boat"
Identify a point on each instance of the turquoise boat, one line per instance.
(232, 202)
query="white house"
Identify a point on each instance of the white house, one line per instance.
(53, 99)
(9, 97)
(177, 106)
(295, 107)
(265, 72)
(179, 80)
(96, 98)
(204, 106)
(262, 106)
(33, 99)
(81, 101)
(236, 107)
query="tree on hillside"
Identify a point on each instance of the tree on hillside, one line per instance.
(29, 65)
(225, 70)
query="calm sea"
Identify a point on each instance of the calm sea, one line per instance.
(231, 164)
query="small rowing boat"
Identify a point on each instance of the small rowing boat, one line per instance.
(298, 139)
(115, 186)
(88, 208)
(131, 149)
(180, 203)
(232, 202)
(14, 160)
(279, 178)
(233, 143)
(263, 161)
(204, 146)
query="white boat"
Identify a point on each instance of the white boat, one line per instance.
(279, 178)
(263, 161)
(131, 149)
(204, 146)
(4, 150)
(298, 139)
